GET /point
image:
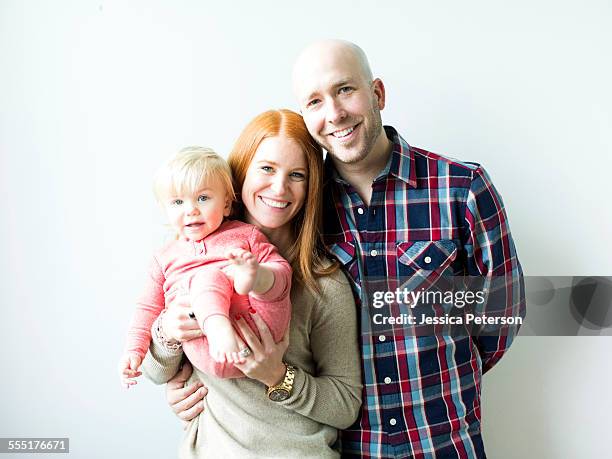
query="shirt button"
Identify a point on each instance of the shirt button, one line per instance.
(381, 338)
(427, 259)
(374, 252)
(360, 211)
(387, 380)
(392, 421)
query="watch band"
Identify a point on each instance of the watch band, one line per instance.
(282, 391)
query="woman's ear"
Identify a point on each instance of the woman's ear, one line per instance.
(227, 210)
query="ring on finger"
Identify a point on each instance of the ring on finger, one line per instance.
(191, 315)
(244, 352)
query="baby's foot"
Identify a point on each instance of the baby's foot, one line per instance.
(222, 343)
(245, 270)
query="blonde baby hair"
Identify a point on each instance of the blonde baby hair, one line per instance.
(188, 170)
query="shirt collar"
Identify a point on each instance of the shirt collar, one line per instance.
(400, 163)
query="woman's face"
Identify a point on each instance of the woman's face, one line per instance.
(274, 188)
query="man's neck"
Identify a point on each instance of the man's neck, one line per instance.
(362, 173)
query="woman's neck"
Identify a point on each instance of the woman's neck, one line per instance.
(280, 237)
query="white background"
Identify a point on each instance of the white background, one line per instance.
(93, 95)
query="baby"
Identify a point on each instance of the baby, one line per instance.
(226, 266)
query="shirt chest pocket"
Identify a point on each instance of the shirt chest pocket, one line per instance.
(425, 259)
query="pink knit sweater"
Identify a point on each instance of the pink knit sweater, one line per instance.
(194, 268)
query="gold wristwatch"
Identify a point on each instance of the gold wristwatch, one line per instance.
(283, 390)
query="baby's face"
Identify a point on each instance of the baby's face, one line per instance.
(195, 215)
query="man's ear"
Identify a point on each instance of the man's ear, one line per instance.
(379, 92)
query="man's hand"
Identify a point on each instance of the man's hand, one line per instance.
(186, 402)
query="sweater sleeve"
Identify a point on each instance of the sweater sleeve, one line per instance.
(161, 364)
(333, 395)
(148, 307)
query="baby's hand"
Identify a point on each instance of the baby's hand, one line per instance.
(128, 369)
(245, 269)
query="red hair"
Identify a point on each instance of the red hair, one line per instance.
(307, 253)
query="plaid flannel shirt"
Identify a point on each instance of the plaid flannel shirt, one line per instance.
(421, 393)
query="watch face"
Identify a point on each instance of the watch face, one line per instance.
(278, 395)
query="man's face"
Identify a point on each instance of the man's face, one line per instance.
(341, 108)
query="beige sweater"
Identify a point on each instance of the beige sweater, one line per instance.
(240, 421)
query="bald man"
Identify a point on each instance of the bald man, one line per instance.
(401, 214)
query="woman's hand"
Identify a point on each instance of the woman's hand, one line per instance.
(176, 322)
(186, 402)
(265, 363)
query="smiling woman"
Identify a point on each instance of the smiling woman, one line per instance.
(275, 182)
(299, 390)
(276, 154)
